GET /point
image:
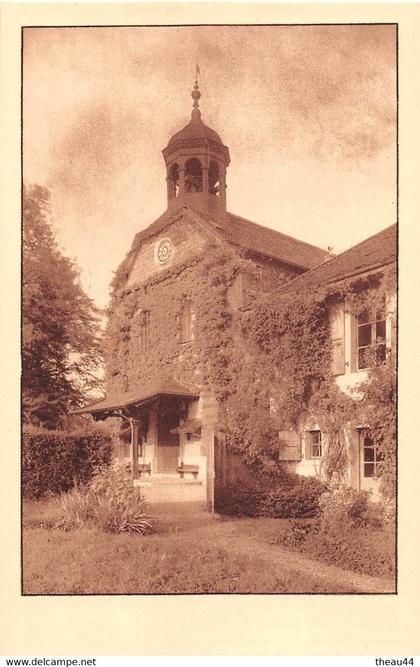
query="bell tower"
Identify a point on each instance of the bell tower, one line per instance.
(196, 162)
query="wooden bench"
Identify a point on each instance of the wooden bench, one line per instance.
(142, 468)
(184, 467)
(145, 467)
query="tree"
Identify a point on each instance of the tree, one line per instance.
(61, 335)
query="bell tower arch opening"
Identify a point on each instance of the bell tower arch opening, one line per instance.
(193, 175)
(214, 179)
(173, 181)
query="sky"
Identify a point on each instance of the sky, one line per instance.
(308, 114)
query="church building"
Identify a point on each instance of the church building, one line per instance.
(171, 298)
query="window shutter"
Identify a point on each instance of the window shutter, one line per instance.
(338, 357)
(353, 340)
(337, 333)
(289, 446)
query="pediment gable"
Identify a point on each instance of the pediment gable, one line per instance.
(171, 240)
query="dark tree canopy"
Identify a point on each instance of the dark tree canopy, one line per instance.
(61, 353)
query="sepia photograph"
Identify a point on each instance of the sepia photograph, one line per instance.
(209, 309)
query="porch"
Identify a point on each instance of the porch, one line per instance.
(162, 442)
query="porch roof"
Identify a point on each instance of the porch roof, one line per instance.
(139, 396)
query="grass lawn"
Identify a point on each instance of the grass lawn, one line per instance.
(190, 552)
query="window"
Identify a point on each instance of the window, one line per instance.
(144, 331)
(371, 456)
(371, 338)
(315, 444)
(186, 322)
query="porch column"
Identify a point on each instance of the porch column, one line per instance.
(134, 425)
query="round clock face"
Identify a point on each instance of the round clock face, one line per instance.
(164, 251)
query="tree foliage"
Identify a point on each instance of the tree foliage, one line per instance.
(61, 354)
(380, 411)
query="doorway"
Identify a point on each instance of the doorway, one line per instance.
(168, 443)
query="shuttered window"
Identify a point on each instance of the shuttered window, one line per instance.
(289, 446)
(371, 338)
(313, 444)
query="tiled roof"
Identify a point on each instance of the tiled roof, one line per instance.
(195, 129)
(258, 238)
(245, 234)
(141, 395)
(375, 252)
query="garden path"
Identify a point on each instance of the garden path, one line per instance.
(257, 538)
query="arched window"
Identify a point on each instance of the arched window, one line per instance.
(193, 176)
(173, 181)
(186, 332)
(214, 179)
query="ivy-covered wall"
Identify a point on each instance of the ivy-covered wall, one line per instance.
(265, 357)
(217, 280)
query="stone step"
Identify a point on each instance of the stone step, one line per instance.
(174, 493)
(161, 481)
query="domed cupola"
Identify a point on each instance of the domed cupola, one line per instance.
(196, 160)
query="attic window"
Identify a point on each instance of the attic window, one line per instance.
(193, 176)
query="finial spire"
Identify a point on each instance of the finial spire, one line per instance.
(196, 113)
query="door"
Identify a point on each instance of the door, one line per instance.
(369, 459)
(168, 443)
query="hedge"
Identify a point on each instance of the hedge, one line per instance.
(55, 461)
(294, 497)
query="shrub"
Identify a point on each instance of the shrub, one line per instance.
(238, 499)
(344, 506)
(54, 461)
(121, 506)
(297, 532)
(366, 550)
(78, 507)
(300, 500)
(348, 533)
(293, 496)
(111, 502)
(114, 517)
